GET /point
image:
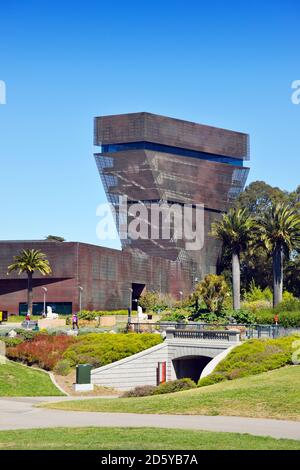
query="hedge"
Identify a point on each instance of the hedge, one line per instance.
(173, 386)
(93, 314)
(253, 357)
(102, 349)
(287, 319)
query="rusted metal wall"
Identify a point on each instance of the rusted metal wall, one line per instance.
(142, 175)
(149, 176)
(106, 275)
(169, 131)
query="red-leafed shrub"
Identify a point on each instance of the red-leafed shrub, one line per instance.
(44, 350)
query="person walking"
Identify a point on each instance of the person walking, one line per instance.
(75, 321)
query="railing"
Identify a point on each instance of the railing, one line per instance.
(205, 335)
(246, 331)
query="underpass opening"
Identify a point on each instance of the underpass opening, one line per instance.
(190, 367)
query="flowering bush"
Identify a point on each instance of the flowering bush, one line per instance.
(43, 350)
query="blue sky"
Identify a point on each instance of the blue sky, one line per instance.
(228, 64)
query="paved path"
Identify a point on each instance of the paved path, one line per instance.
(21, 413)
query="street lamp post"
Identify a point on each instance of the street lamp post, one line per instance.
(80, 297)
(130, 306)
(45, 290)
(181, 295)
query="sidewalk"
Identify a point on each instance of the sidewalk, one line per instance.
(21, 413)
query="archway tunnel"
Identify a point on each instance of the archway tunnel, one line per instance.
(190, 366)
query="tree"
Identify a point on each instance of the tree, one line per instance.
(55, 238)
(294, 198)
(235, 231)
(212, 290)
(292, 276)
(149, 300)
(280, 234)
(30, 261)
(259, 197)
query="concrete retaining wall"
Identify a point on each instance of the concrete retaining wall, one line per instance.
(141, 369)
(133, 371)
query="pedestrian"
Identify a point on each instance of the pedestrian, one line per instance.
(75, 321)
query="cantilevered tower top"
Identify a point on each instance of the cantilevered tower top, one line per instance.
(138, 127)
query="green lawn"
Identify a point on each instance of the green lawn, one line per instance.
(274, 394)
(137, 439)
(19, 381)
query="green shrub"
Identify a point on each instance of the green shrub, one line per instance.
(156, 302)
(257, 305)
(90, 315)
(243, 317)
(175, 315)
(149, 300)
(288, 305)
(174, 386)
(211, 379)
(288, 297)
(287, 319)
(62, 367)
(11, 342)
(167, 387)
(87, 315)
(141, 391)
(255, 293)
(105, 348)
(213, 318)
(27, 335)
(253, 357)
(228, 303)
(213, 291)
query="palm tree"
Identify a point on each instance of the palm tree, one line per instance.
(29, 261)
(280, 234)
(235, 231)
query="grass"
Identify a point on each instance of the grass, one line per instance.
(274, 394)
(20, 319)
(20, 381)
(136, 439)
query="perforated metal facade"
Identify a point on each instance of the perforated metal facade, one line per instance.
(147, 158)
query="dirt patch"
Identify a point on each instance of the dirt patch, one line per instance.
(66, 383)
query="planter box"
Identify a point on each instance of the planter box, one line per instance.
(44, 324)
(108, 320)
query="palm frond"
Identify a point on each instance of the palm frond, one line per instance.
(29, 261)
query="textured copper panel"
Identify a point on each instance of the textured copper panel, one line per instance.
(142, 175)
(61, 284)
(106, 275)
(169, 131)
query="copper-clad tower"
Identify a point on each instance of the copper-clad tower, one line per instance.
(150, 158)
